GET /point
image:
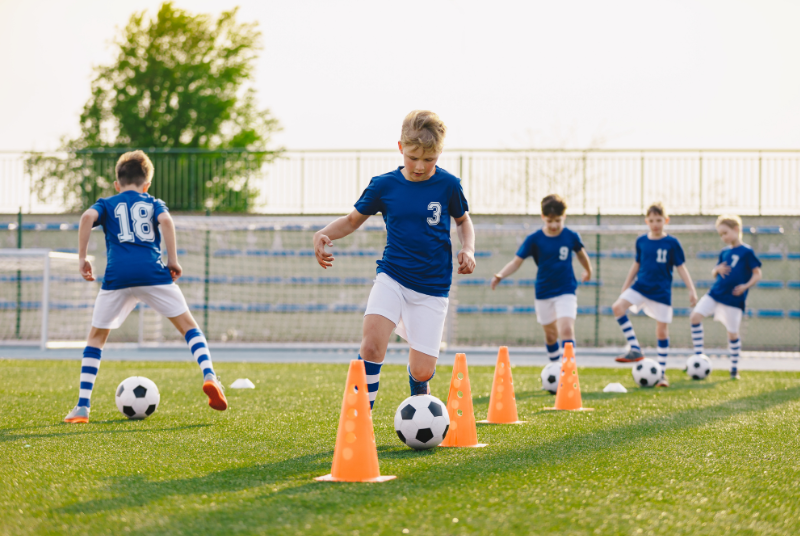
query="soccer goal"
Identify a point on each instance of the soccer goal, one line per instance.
(43, 299)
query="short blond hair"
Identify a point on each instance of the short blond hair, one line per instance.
(423, 129)
(731, 220)
(134, 167)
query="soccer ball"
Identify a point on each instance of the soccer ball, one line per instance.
(137, 397)
(646, 372)
(698, 367)
(421, 421)
(550, 375)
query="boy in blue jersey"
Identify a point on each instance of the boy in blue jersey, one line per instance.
(648, 287)
(133, 223)
(551, 248)
(413, 279)
(737, 271)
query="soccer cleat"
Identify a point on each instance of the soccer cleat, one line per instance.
(735, 375)
(216, 393)
(78, 414)
(631, 357)
(663, 382)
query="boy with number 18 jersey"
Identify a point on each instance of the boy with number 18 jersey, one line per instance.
(551, 248)
(133, 223)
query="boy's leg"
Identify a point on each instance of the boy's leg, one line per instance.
(551, 341)
(697, 336)
(90, 365)
(377, 331)
(734, 347)
(704, 307)
(662, 334)
(620, 309)
(421, 369)
(566, 331)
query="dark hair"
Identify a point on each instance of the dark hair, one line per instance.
(553, 205)
(134, 168)
(657, 209)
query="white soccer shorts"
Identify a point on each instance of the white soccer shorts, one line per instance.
(551, 309)
(653, 309)
(419, 318)
(112, 307)
(730, 317)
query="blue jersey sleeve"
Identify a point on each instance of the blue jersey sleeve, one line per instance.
(527, 247)
(752, 260)
(578, 244)
(680, 258)
(638, 251)
(159, 207)
(100, 207)
(370, 203)
(458, 203)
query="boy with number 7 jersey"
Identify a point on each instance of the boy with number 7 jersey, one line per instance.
(133, 223)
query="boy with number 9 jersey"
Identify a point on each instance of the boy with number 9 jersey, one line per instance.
(551, 248)
(133, 223)
(648, 287)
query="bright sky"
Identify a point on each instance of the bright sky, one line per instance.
(503, 74)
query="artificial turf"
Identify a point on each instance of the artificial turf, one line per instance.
(710, 457)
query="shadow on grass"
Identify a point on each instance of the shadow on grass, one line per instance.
(522, 395)
(136, 491)
(6, 436)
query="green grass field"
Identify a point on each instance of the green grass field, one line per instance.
(713, 457)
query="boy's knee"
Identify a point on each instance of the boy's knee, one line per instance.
(422, 372)
(618, 309)
(696, 318)
(371, 352)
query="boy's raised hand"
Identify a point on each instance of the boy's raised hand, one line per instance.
(466, 262)
(175, 270)
(85, 267)
(324, 258)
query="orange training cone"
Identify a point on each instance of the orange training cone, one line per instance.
(462, 432)
(502, 404)
(355, 458)
(568, 395)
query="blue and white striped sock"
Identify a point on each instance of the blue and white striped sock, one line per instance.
(627, 330)
(697, 339)
(90, 364)
(199, 346)
(734, 347)
(553, 351)
(663, 352)
(373, 371)
(564, 343)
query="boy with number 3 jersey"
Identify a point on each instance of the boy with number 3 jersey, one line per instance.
(136, 272)
(551, 248)
(410, 291)
(648, 287)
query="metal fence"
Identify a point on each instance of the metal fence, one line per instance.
(611, 181)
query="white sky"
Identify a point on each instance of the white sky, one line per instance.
(502, 74)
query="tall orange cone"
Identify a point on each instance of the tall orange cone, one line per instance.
(463, 432)
(502, 403)
(568, 395)
(355, 458)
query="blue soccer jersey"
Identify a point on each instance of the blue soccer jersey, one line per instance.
(418, 252)
(742, 261)
(553, 256)
(656, 259)
(133, 243)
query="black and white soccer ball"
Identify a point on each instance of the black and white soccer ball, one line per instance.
(421, 421)
(550, 376)
(137, 397)
(698, 367)
(646, 373)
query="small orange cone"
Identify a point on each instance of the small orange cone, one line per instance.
(568, 395)
(502, 403)
(463, 432)
(355, 458)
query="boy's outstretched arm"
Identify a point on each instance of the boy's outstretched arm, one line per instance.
(687, 279)
(507, 270)
(583, 258)
(466, 234)
(171, 243)
(631, 276)
(84, 231)
(338, 228)
(738, 290)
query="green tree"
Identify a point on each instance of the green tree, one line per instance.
(180, 81)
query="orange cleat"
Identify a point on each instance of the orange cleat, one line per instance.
(79, 414)
(216, 393)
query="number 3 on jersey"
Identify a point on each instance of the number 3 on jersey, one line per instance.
(436, 207)
(142, 214)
